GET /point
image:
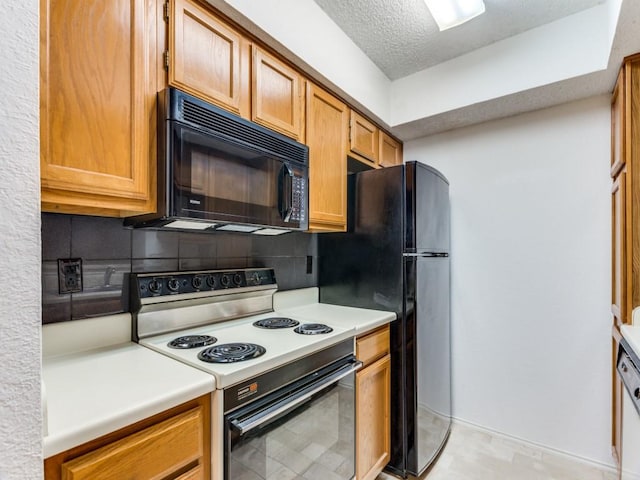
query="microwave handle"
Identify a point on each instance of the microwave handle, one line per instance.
(288, 404)
(285, 195)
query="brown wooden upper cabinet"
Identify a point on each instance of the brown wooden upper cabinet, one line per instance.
(99, 69)
(327, 125)
(207, 58)
(277, 95)
(363, 139)
(390, 151)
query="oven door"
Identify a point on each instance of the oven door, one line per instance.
(305, 430)
(230, 183)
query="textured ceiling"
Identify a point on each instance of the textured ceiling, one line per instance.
(401, 37)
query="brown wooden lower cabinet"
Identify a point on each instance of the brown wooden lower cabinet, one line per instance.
(373, 406)
(175, 444)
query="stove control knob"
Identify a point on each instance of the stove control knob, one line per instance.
(197, 281)
(211, 281)
(255, 279)
(237, 279)
(155, 286)
(225, 280)
(173, 284)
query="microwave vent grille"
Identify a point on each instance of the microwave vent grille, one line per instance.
(244, 131)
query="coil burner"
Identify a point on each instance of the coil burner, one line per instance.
(313, 329)
(231, 352)
(276, 322)
(192, 341)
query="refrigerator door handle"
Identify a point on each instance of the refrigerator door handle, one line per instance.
(428, 255)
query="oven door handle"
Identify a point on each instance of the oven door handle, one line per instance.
(254, 421)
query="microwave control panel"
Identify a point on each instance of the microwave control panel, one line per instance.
(298, 212)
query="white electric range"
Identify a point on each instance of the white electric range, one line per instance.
(275, 375)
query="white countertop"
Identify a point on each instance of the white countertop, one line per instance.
(92, 393)
(631, 334)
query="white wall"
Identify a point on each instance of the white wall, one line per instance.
(20, 413)
(530, 273)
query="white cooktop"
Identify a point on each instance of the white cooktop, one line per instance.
(282, 345)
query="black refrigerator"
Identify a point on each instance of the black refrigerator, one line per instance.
(395, 256)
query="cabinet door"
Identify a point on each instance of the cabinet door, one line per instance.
(277, 93)
(327, 124)
(619, 294)
(390, 151)
(207, 58)
(372, 419)
(618, 125)
(98, 84)
(363, 138)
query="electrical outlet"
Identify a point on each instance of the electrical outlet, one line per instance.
(69, 275)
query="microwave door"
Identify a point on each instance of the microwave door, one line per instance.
(221, 182)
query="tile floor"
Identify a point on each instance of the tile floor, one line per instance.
(472, 454)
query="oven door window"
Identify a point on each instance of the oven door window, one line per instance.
(219, 181)
(315, 440)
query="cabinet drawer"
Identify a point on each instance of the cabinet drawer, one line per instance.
(151, 453)
(196, 473)
(373, 345)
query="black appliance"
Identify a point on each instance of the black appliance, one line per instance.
(395, 256)
(306, 402)
(217, 171)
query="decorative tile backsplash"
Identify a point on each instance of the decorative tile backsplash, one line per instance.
(109, 252)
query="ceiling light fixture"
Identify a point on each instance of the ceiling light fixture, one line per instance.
(451, 13)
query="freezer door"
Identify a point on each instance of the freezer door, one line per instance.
(363, 268)
(428, 340)
(427, 209)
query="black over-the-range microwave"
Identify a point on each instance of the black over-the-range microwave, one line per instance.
(220, 172)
